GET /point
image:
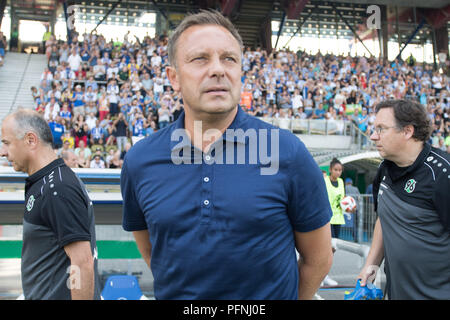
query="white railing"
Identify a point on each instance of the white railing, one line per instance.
(323, 127)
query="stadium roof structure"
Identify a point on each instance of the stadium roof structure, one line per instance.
(325, 18)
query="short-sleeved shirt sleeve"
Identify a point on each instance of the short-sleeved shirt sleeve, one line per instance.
(133, 217)
(308, 207)
(65, 211)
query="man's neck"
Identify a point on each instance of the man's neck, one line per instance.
(42, 159)
(204, 130)
(409, 154)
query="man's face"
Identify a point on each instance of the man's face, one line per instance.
(208, 70)
(72, 161)
(14, 149)
(390, 140)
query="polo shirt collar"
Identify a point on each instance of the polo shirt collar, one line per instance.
(397, 172)
(45, 170)
(239, 122)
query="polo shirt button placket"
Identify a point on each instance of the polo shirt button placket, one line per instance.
(206, 207)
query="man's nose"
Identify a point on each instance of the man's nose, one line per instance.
(216, 68)
(374, 136)
(3, 152)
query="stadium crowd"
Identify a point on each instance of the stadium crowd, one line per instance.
(101, 97)
(3, 45)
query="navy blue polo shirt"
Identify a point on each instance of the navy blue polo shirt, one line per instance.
(223, 230)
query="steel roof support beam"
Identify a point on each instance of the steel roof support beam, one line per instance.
(2, 10)
(283, 19)
(227, 6)
(293, 8)
(350, 27)
(422, 22)
(106, 15)
(300, 26)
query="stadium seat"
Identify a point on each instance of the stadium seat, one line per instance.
(122, 287)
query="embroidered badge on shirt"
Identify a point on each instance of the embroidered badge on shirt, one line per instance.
(410, 185)
(30, 203)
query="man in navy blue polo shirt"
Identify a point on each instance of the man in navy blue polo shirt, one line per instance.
(219, 201)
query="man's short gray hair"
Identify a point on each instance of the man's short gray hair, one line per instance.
(27, 120)
(204, 17)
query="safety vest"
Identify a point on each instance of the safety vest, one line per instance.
(335, 195)
(46, 36)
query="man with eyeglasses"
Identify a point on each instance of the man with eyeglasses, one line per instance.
(411, 196)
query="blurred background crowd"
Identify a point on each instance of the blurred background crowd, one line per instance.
(102, 97)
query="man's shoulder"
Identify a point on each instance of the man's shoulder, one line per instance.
(439, 163)
(61, 182)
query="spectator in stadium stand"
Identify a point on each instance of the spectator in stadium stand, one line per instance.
(67, 136)
(103, 106)
(52, 109)
(3, 45)
(82, 148)
(90, 95)
(318, 112)
(97, 133)
(99, 71)
(411, 198)
(246, 98)
(115, 162)
(82, 161)
(78, 101)
(120, 126)
(65, 147)
(147, 84)
(90, 82)
(74, 60)
(139, 124)
(97, 162)
(90, 108)
(113, 96)
(57, 131)
(163, 116)
(91, 120)
(77, 128)
(205, 58)
(351, 190)
(70, 159)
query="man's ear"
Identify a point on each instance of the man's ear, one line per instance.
(409, 131)
(172, 75)
(31, 139)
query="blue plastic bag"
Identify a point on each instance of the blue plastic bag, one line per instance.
(368, 292)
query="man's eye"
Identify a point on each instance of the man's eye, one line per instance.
(232, 59)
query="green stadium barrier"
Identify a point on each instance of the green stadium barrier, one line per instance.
(107, 249)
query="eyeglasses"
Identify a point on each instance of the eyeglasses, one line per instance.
(379, 130)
